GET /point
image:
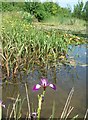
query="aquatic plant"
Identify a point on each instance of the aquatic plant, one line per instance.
(25, 45)
(44, 83)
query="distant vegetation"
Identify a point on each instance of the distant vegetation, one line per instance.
(43, 10)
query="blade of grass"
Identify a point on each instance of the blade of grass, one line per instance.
(53, 110)
(74, 117)
(69, 111)
(19, 53)
(0, 112)
(2, 56)
(63, 115)
(7, 112)
(13, 107)
(86, 114)
(29, 115)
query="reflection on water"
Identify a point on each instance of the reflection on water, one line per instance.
(65, 78)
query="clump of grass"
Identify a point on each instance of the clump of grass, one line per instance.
(16, 111)
(67, 110)
(17, 108)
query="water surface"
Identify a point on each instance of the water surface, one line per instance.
(65, 77)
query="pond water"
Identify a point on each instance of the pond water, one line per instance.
(65, 77)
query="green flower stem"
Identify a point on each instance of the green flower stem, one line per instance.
(0, 112)
(40, 104)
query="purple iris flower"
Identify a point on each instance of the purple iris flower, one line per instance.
(2, 104)
(44, 83)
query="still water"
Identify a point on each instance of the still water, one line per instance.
(65, 77)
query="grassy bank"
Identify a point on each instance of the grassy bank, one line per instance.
(67, 23)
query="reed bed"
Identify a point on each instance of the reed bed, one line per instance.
(24, 45)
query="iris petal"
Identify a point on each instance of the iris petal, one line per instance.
(36, 87)
(44, 82)
(52, 86)
(2, 104)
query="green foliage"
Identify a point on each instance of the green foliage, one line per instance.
(51, 7)
(46, 9)
(85, 11)
(13, 6)
(78, 10)
(40, 10)
(40, 13)
(7, 6)
(27, 17)
(37, 9)
(25, 45)
(81, 10)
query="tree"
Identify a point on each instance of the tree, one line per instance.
(78, 8)
(37, 9)
(12, 6)
(85, 11)
(51, 7)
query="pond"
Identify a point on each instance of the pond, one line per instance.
(71, 74)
